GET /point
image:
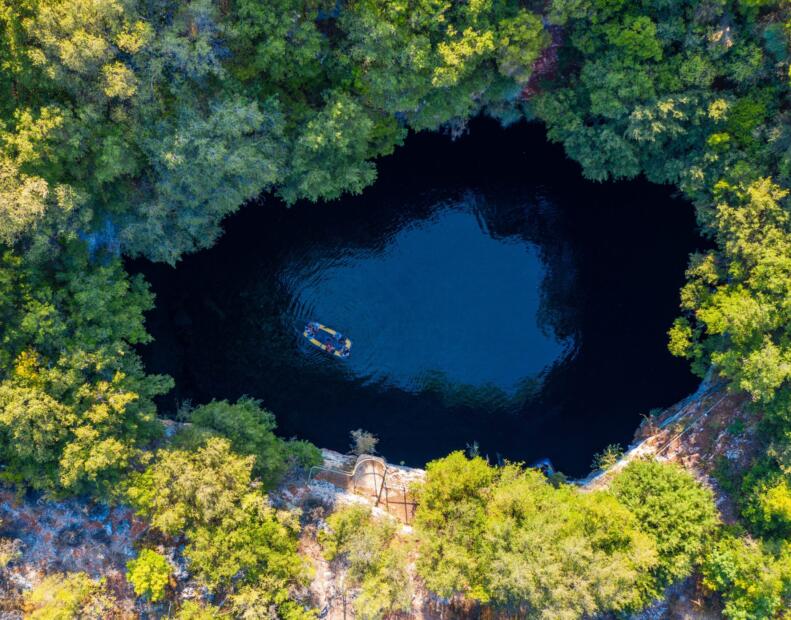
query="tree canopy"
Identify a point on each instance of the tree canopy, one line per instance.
(507, 536)
(133, 127)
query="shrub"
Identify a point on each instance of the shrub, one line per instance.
(69, 595)
(250, 429)
(192, 610)
(766, 500)
(608, 457)
(754, 579)
(149, 574)
(672, 508)
(363, 442)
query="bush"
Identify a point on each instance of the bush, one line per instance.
(363, 442)
(149, 574)
(69, 595)
(672, 508)
(250, 429)
(192, 610)
(754, 579)
(765, 501)
(608, 457)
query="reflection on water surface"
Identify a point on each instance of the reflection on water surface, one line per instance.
(441, 301)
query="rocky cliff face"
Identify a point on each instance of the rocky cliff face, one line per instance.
(704, 432)
(64, 536)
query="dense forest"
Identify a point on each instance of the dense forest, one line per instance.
(133, 127)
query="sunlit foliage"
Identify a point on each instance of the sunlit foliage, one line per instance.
(506, 536)
(70, 595)
(159, 117)
(754, 579)
(135, 126)
(75, 405)
(149, 574)
(674, 509)
(250, 429)
(236, 542)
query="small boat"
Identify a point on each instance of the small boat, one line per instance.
(327, 339)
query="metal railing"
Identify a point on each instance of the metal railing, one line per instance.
(396, 499)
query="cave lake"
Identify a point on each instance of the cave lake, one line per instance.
(494, 298)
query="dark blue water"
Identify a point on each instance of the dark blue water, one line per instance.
(492, 296)
(442, 298)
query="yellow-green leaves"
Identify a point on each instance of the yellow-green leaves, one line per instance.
(460, 53)
(149, 574)
(186, 489)
(75, 405)
(134, 36)
(77, 37)
(506, 536)
(236, 540)
(69, 596)
(672, 508)
(372, 557)
(752, 578)
(521, 41)
(119, 80)
(738, 299)
(23, 201)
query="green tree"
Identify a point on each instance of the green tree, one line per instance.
(559, 553)
(184, 490)
(737, 316)
(149, 574)
(672, 508)
(205, 163)
(76, 408)
(330, 154)
(521, 40)
(754, 580)
(236, 542)
(765, 500)
(450, 522)
(250, 431)
(507, 537)
(281, 41)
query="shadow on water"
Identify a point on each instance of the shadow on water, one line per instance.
(492, 294)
